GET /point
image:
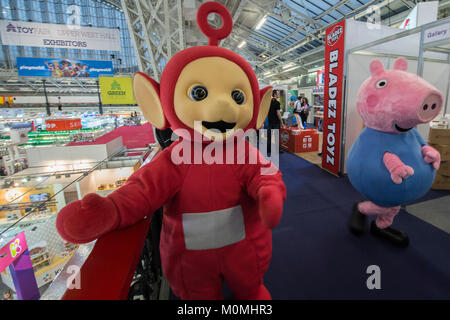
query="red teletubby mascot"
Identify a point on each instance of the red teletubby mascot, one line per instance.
(218, 212)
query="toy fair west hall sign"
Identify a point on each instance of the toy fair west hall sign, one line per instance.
(332, 118)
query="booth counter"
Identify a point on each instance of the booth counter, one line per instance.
(297, 140)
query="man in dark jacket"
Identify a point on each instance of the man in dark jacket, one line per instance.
(274, 118)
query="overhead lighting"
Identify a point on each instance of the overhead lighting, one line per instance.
(260, 23)
(267, 73)
(39, 179)
(290, 69)
(242, 44)
(288, 65)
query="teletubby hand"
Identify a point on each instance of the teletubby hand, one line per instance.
(270, 205)
(431, 155)
(85, 220)
(401, 172)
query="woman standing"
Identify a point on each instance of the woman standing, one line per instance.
(304, 111)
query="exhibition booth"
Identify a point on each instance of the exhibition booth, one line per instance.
(347, 58)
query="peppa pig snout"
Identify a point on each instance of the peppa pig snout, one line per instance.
(430, 107)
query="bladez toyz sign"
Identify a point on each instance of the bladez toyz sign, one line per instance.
(334, 67)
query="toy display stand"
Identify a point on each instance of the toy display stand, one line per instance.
(297, 140)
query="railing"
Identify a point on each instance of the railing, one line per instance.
(123, 264)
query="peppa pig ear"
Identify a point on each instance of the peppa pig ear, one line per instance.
(401, 64)
(146, 93)
(376, 67)
(264, 105)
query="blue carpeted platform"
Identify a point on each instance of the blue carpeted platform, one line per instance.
(316, 257)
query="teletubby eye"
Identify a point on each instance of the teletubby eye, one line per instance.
(198, 93)
(381, 83)
(238, 96)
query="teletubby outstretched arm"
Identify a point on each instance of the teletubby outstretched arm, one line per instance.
(397, 168)
(144, 192)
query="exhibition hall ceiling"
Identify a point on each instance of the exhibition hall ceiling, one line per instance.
(281, 39)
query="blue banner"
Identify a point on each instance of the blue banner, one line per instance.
(71, 68)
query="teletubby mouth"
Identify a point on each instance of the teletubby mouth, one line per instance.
(221, 125)
(401, 129)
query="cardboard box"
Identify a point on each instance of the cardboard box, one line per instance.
(439, 136)
(441, 182)
(444, 150)
(444, 168)
(297, 141)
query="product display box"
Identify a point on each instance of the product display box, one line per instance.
(441, 182)
(440, 136)
(444, 169)
(297, 141)
(444, 150)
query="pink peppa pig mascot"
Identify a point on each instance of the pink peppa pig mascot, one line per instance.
(390, 163)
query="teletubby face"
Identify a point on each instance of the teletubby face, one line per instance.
(217, 94)
(206, 89)
(395, 101)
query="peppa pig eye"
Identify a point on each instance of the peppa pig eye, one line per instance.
(381, 83)
(238, 96)
(198, 93)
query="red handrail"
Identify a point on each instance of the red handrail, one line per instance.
(108, 271)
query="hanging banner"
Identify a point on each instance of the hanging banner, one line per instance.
(33, 34)
(63, 124)
(44, 67)
(16, 256)
(320, 78)
(116, 90)
(333, 87)
(12, 251)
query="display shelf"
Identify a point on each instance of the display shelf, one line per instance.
(25, 221)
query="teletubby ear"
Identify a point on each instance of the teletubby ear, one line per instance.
(376, 67)
(401, 64)
(266, 96)
(146, 93)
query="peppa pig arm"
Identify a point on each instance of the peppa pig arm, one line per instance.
(430, 154)
(396, 168)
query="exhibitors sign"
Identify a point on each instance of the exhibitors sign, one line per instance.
(32, 34)
(44, 67)
(332, 118)
(116, 90)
